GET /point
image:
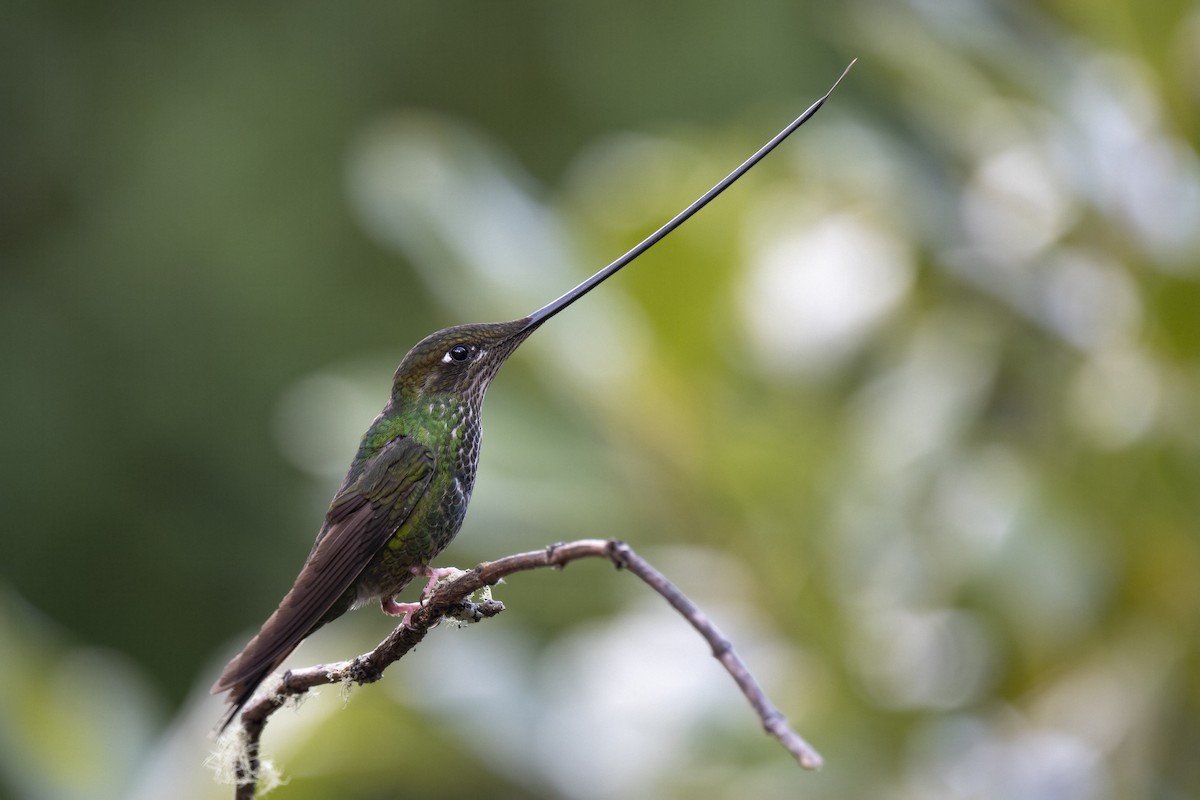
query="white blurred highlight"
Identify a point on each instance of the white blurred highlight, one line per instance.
(817, 290)
(1115, 397)
(936, 659)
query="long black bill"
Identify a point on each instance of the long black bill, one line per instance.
(546, 312)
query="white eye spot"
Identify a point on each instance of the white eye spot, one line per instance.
(446, 359)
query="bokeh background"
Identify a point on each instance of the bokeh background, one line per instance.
(913, 411)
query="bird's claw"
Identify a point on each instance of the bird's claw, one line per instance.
(394, 609)
(435, 575)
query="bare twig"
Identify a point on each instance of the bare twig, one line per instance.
(451, 599)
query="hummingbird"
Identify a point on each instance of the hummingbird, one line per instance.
(405, 494)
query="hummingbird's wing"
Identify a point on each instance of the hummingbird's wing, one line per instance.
(362, 517)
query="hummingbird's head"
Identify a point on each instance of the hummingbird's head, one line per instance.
(461, 360)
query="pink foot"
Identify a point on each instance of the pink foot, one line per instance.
(406, 610)
(394, 609)
(434, 574)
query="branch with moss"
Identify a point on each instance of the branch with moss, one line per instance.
(452, 599)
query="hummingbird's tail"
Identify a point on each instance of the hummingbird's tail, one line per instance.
(238, 702)
(249, 668)
(355, 529)
(279, 636)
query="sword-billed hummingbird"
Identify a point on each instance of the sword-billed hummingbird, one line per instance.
(405, 495)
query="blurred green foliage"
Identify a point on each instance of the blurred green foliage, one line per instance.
(912, 411)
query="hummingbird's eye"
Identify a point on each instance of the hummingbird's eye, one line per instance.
(458, 353)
